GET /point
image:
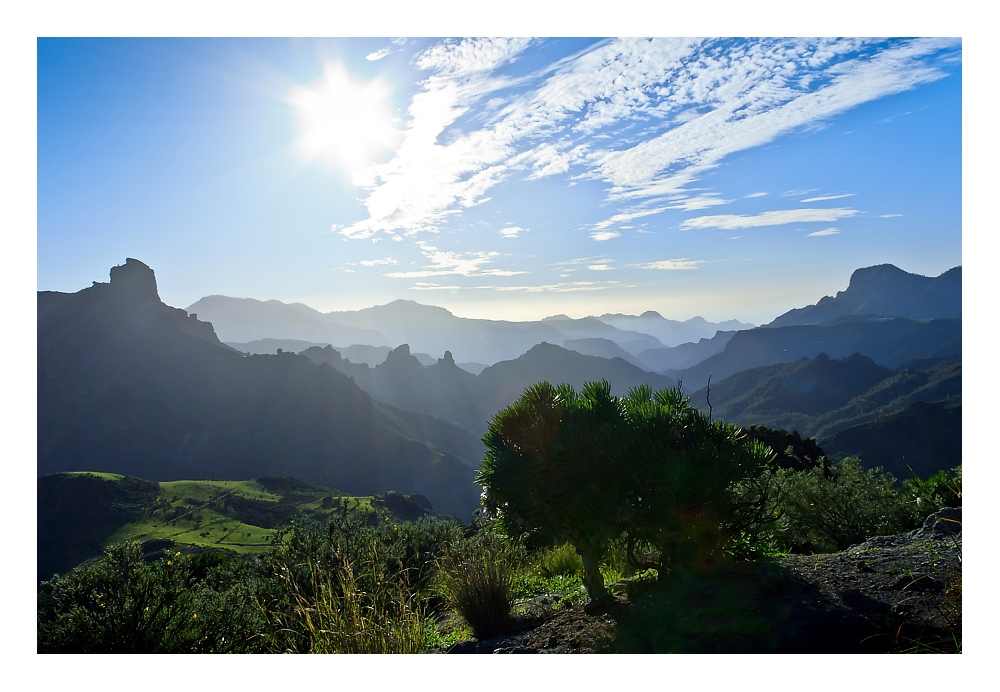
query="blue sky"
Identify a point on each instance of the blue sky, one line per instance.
(500, 178)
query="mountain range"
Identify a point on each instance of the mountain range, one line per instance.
(129, 385)
(432, 330)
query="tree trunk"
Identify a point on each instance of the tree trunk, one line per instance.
(593, 580)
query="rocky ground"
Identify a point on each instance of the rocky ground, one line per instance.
(889, 594)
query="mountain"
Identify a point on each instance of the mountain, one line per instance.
(890, 342)
(356, 353)
(672, 332)
(603, 348)
(129, 385)
(809, 387)
(885, 290)
(919, 440)
(424, 328)
(245, 319)
(547, 362)
(685, 355)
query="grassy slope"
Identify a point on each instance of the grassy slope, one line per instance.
(79, 513)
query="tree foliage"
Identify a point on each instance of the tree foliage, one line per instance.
(647, 469)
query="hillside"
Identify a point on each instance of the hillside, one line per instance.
(128, 385)
(81, 513)
(919, 440)
(505, 381)
(889, 342)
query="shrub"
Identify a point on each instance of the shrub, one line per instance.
(476, 578)
(823, 514)
(121, 604)
(559, 560)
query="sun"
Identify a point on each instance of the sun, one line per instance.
(344, 121)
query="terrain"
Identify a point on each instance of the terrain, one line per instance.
(131, 386)
(889, 594)
(80, 514)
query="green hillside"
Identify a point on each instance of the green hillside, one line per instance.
(80, 513)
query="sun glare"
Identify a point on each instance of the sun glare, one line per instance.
(345, 121)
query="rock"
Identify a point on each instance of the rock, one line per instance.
(134, 280)
(946, 522)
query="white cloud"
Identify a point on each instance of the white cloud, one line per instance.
(443, 263)
(373, 263)
(826, 198)
(599, 267)
(826, 231)
(889, 216)
(511, 231)
(379, 54)
(470, 124)
(768, 218)
(696, 203)
(672, 265)
(604, 235)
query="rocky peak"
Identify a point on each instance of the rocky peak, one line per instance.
(447, 360)
(134, 280)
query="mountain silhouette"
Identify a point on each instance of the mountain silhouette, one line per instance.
(129, 385)
(890, 342)
(888, 291)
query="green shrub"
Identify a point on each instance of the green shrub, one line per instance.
(122, 604)
(559, 560)
(477, 579)
(821, 514)
(943, 489)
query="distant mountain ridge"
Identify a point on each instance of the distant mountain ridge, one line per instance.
(434, 330)
(885, 290)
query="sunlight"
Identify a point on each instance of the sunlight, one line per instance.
(344, 121)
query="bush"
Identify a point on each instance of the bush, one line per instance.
(121, 604)
(559, 560)
(823, 514)
(476, 578)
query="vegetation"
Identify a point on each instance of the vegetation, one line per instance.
(587, 490)
(645, 470)
(477, 581)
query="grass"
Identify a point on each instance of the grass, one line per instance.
(194, 515)
(335, 615)
(477, 581)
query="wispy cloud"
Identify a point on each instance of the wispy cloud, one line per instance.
(444, 263)
(676, 108)
(374, 263)
(512, 231)
(672, 265)
(768, 218)
(889, 216)
(826, 198)
(599, 267)
(826, 231)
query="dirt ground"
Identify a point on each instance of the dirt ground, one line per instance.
(889, 594)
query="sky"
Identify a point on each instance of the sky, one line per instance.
(500, 178)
